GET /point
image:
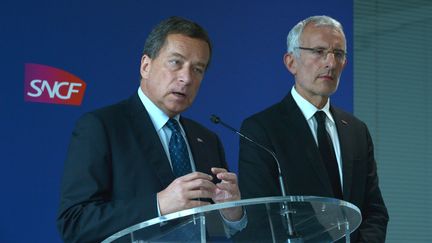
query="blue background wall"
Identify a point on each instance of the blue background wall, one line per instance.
(101, 42)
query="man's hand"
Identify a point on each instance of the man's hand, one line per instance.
(227, 190)
(184, 191)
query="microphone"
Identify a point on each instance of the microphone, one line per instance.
(216, 120)
(285, 208)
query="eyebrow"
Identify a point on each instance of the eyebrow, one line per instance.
(323, 47)
(176, 54)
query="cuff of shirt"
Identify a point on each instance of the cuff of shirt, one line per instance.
(232, 227)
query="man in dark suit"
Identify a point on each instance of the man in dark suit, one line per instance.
(139, 159)
(336, 161)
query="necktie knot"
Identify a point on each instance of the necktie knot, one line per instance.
(320, 117)
(173, 125)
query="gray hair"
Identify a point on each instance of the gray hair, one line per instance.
(293, 38)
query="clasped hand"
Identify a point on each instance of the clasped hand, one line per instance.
(183, 192)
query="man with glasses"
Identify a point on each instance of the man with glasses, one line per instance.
(322, 150)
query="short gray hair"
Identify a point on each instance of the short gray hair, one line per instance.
(293, 38)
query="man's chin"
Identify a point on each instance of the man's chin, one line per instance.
(328, 90)
(175, 110)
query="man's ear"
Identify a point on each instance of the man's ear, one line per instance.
(145, 66)
(290, 63)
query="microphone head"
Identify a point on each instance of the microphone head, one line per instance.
(215, 119)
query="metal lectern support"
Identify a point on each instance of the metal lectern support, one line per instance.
(286, 216)
(200, 219)
(272, 232)
(285, 212)
(347, 231)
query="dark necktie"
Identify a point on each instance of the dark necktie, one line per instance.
(178, 150)
(327, 153)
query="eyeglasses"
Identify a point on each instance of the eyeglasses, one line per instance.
(322, 53)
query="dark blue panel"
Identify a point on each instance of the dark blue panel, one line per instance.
(101, 42)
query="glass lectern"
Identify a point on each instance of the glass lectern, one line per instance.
(294, 219)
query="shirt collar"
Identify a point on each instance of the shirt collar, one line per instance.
(158, 117)
(307, 108)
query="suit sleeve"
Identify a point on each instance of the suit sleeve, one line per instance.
(89, 212)
(374, 213)
(257, 168)
(221, 153)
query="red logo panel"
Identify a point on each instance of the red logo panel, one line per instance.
(46, 84)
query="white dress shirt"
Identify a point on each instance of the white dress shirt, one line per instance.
(159, 119)
(309, 111)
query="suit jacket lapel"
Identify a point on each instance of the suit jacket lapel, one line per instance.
(343, 129)
(298, 126)
(152, 149)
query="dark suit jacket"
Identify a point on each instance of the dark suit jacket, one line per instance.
(115, 166)
(283, 128)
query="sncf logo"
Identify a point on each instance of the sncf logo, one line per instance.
(51, 85)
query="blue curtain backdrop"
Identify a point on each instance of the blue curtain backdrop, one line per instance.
(101, 42)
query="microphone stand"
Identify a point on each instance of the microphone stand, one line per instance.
(285, 210)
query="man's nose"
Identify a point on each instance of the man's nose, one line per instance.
(185, 74)
(330, 59)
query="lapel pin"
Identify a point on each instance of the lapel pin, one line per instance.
(200, 140)
(344, 122)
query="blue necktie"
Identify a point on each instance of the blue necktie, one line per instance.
(327, 153)
(178, 150)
